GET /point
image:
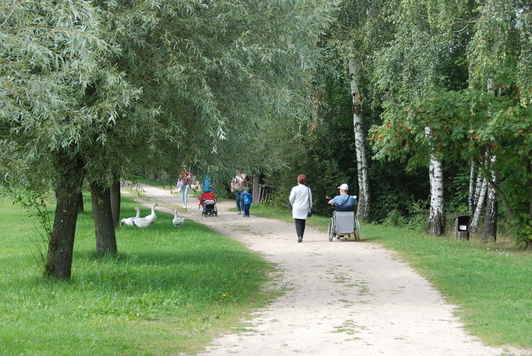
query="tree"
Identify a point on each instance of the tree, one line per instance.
(188, 75)
(353, 37)
(500, 54)
(52, 61)
(412, 68)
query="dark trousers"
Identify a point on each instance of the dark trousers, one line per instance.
(246, 209)
(300, 227)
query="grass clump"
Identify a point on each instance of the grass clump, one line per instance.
(169, 290)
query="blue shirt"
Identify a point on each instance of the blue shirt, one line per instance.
(344, 202)
(248, 198)
(207, 182)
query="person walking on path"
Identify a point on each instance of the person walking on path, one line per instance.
(185, 178)
(301, 201)
(238, 183)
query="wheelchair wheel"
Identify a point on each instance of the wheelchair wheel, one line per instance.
(330, 231)
(357, 228)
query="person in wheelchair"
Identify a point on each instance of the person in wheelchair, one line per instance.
(343, 201)
(343, 221)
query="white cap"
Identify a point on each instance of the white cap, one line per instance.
(344, 187)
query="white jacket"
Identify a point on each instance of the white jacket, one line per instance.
(301, 200)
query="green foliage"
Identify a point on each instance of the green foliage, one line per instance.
(59, 94)
(219, 73)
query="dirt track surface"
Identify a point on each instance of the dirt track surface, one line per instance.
(342, 298)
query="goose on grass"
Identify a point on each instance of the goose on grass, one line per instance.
(177, 220)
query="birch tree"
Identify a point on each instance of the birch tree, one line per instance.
(436, 225)
(363, 207)
(355, 34)
(500, 53)
(413, 72)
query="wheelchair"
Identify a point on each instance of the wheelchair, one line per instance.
(344, 224)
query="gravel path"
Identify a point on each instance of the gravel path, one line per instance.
(343, 297)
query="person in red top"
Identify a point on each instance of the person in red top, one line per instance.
(185, 180)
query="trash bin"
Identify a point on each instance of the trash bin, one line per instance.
(461, 227)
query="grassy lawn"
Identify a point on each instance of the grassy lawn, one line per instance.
(170, 290)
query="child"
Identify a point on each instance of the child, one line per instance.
(248, 198)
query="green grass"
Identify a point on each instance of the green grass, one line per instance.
(172, 290)
(169, 290)
(490, 283)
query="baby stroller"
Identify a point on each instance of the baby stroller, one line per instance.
(208, 201)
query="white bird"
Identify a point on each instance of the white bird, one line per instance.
(130, 221)
(177, 221)
(142, 222)
(152, 217)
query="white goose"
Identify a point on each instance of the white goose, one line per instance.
(152, 217)
(130, 221)
(177, 221)
(142, 222)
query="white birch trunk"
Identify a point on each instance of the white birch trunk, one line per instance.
(479, 205)
(472, 189)
(362, 165)
(436, 225)
(478, 191)
(489, 232)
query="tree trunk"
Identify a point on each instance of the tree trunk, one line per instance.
(115, 200)
(489, 233)
(61, 244)
(436, 225)
(363, 207)
(103, 219)
(472, 189)
(481, 196)
(81, 208)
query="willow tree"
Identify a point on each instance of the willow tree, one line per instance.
(51, 61)
(207, 72)
(218, 74)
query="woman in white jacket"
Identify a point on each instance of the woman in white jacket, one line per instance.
(301, 201)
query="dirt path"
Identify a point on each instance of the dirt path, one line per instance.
(343, 297)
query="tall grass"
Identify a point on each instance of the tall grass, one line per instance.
(169, 290)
